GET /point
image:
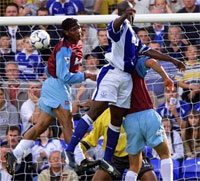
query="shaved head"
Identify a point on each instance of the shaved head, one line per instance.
(123, 6)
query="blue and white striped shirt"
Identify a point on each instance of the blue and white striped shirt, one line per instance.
(124, 47)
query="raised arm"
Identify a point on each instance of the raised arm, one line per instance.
(128, 14)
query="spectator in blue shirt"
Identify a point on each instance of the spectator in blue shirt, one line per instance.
(174, 109)
(29, 62)
(64, 7)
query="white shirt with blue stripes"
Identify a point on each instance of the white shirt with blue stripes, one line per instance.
(124, 47)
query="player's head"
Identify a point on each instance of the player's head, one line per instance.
(71, 29)
(122, 7)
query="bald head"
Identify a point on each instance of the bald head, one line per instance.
(123, 6)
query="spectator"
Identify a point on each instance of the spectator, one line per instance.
(20, 45)
(62, 7)
(26, 9)
(3, 171)
(43, 147)
(105, 6)
(102, 47)
(191, 135)
(162, 4)
(30, 110)
(54, 32)
(89, 38)
(5, 52)
(91, 62)
(8, 114)
(174, 109)
(147, 3)
(176, 43)
(174, 140)
(15, 32)
(57, 170)
(140, 9)
(143, 34)
(190, 79)
(175, 5)
(88, 5)
(158, 31)
(12, 136)
(15, 89)
(190, 28)
(26, 169)
(82, 93)
(29, 62)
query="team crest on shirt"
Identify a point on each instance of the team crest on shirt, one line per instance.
(67, 59)
(103, 94)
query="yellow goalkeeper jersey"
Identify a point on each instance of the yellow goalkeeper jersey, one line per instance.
(100, 127)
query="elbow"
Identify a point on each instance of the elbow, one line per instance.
(151, 62)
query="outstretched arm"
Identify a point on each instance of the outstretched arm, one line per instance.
(152, 63)
(157, 55)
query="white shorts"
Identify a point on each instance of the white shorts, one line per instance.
(114, 86)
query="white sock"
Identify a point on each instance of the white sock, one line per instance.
(22, 147)
(131, 176)
(78, 154)
(167, 169)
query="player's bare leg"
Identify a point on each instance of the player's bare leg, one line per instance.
(65, 119)
(30, 136)
(166, 162)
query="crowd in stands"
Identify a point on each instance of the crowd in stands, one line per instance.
(22, 71)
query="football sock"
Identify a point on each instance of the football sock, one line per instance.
(131, 176)
(81, 129)
(167, 169)
(78, 154)
(22, 147)
(112, 140)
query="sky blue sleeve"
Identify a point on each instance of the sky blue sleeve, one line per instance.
(141, 67)
(63, 65)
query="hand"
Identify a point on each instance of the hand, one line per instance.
(90, 76)
(129, 12)
(180, 65)
(169, 84)
(33, 98)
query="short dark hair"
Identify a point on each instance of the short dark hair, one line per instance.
(4, 34)
(42, 9)
(68, 23)
(12, 4)
(13, 128)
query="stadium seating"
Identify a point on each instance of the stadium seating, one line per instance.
(176, 164)
(191, 169)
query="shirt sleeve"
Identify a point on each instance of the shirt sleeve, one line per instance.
(141, 67)
(63, 66)
(115, 36)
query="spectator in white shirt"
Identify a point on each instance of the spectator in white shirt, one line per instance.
(30, 111)
(174, 139)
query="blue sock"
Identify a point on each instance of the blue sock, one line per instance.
(112, 140)
(79, 132)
